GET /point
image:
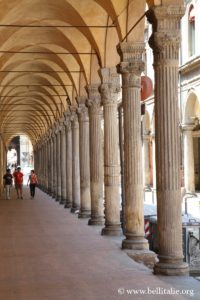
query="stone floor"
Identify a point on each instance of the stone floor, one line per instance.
(47, 253)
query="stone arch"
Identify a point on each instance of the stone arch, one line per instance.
(192, 108)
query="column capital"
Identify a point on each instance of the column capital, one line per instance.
(74, 116)
(110, 86)
(94, 98)
(131, 55)
(166, 30)
(82, 111)
(67, 121)
(187, 127)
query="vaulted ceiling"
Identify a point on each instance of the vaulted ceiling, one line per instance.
(50, 50)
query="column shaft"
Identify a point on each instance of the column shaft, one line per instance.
(75, 162)
(96, 155)
(63, 165)
(85, 206)
(68, 131)
(58, 163)
(131, 68)
(165, 42)
(110, 89)
(189, 179)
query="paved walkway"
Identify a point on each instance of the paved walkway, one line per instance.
(47, 253)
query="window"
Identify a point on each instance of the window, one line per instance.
(191, 31)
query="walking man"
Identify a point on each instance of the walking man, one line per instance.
(33, 181)
(8, 178)
(18, 176)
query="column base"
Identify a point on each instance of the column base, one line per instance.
(112, 230)
(68, 204)
(100, 221)
(62, 201)
(58, 198)
(74, 209)
(171, 268)
(84, 214)
(134, 242)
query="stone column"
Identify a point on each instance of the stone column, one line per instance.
(63, 164)
(189, 178)
(51, 164)
(146, 160)
(58, 162)
(85, 206)
(110, 89)
(75, 162)
(54, 165)
(96, 155)
(131, 67)
(165, 42)
(68, 131)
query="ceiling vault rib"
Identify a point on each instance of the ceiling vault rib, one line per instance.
(46, 52)
(57, 26)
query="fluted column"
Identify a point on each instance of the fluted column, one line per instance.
(63, 163)
(68, 132)
(146, 159)
(85, 197)
(75, 162)
(165, 42)
(58, 162)
(96, 155)
(110, 89)
(131, 67)
(189, 179)
(51, 164)
(54, 164)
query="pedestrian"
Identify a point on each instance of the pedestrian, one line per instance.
(8, 180)
(18, 177)
(33, 182)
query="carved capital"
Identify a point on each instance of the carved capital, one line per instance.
(131, 55)
(165, 40)
(81, 99)
(82, 111)
(74, 116)
(110, 87)
(94, 99)
(67, 121)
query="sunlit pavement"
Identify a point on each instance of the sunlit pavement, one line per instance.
(47, 253)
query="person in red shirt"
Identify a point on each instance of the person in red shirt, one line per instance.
(18, 177)
(33, 182)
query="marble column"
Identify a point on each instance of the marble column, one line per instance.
(85, 205)
(165, 42)
(54, 164)
(131, 67)
(96, 154)
(63, 163)
(110, 89)
(146, 160)
(189, 177)
(75, 161)
(58, 162)
(68, 132)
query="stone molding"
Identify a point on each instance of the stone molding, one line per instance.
(110, 87)
(166, 35)
(94, 99)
